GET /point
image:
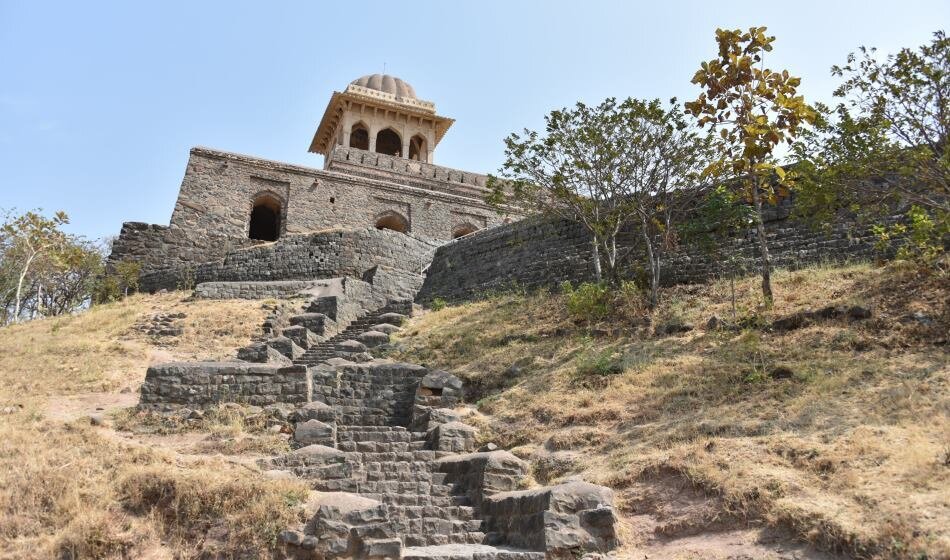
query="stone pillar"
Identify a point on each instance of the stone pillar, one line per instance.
(405, 145)
(372, 138)
(347, 129)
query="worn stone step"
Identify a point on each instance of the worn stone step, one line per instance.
(458, 513)
(467, 552)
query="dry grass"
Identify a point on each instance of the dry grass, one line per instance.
(852, 452)
(72, 491)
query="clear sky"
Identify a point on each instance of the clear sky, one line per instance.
(101, 101)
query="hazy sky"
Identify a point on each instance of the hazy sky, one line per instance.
(100, 102)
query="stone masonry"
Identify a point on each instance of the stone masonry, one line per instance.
(395, 472)
(378, 141)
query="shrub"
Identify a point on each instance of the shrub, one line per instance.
(599, 363)
(589, 301)
(437, 304)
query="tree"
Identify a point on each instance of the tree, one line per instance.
(616, 164)
(754, 109)
(667, 159)
(885, 145)
(27, 237)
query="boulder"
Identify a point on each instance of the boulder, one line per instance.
(315, 322)
(313, 411)
(393, 318)
(350, 347)
(575, 518)
(372, 339)
(455, 437)
(261, 353)
(301, 335)
(312, 432)
(286, 346)
(386, 328)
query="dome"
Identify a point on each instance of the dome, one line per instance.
(386, 84)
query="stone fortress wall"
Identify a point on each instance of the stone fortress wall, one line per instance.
(543, 252)
(327, 254)
(212, 214)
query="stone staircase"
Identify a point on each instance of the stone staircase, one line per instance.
(393, 469)
(395, 312)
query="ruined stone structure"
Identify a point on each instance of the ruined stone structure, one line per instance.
(394, 469)
(378, 141)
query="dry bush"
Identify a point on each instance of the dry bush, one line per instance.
(59, 496)
(191, 502)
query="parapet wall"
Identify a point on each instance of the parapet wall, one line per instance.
(327, 254)
(543, 252)
(533, 252)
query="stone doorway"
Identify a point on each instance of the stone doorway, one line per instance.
(265, 219)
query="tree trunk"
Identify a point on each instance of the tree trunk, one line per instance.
(654, 264)
(19, 288)
(765, 259)
(595, 253)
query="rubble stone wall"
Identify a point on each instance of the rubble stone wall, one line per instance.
(542, 252)
(219, 189)
(200, 384)
(327, 254)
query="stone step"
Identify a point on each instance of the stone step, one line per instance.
(374, 435)
(427, 526)
(467, 552)
(459, 513)
(381, 446)
(459, 538)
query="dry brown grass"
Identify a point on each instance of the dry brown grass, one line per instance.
(68, 490)
(850, 453)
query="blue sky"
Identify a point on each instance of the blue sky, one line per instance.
(100, 102)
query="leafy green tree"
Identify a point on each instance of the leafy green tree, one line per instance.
(627, 163)
(754, 109)
(27, 237)
(885, 145)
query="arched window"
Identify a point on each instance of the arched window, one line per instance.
(417, 148)
(463, 229)
(265, 218)
(359, 136)
(392, 220)
(388, 142)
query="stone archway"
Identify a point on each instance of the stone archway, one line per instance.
(417, 148)
(388, 142)
(392, 221)
(359, 136)
(264, 223)
(463, 229)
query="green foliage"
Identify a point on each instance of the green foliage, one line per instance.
(123, 280)
(620, 163)
(721, 213)
(43, 270)
(599, 363)
(587, 302)
(437, 304)
(186, 279)
(754, 109)
(921, 237)
(885, 146)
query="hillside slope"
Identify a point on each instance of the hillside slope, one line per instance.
(71, 489)
(832, 430)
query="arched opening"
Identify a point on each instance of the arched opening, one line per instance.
(359, 136)
(389, 143)
(463, 229)
(392, 220)
(265, 219)
(417, 148)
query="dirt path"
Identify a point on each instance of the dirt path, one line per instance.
(736, 544)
